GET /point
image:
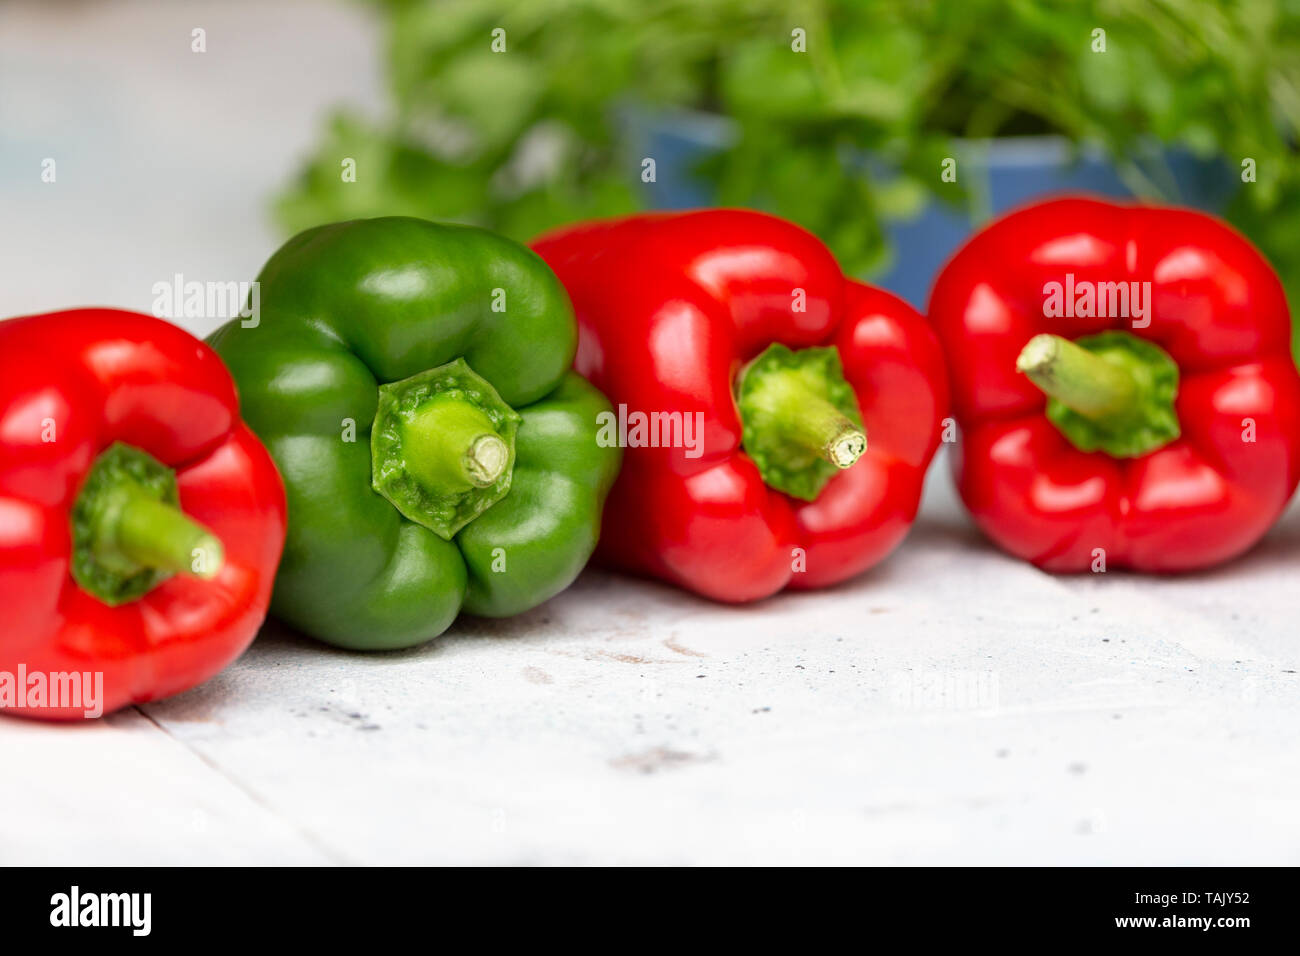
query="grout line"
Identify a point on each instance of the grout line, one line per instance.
(336, 857)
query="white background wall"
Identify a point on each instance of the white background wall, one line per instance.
(166, 159)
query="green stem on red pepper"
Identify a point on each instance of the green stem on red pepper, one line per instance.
(800, 418)
(129, 534)
(1110, 392)
(158, 535)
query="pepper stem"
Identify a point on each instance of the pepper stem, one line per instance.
(800, 419)
(1111, 392)
(1079, 379)
(128, 532)
(795, 413)
(155, 534)
(451, 446)
(442, 447)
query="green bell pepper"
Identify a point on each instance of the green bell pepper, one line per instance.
(412, 382)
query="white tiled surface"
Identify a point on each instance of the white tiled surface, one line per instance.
(952, 706)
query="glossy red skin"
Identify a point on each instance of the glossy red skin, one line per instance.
(670, 307)
(105, 375)
(1216, 307)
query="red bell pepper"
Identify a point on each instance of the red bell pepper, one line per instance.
(140, 522)
(744, 324)
(1124, 384)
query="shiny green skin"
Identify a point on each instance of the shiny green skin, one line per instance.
(349, 306)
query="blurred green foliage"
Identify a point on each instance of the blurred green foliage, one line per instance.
(531, 138)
